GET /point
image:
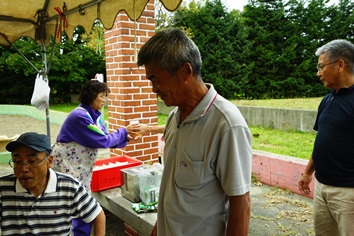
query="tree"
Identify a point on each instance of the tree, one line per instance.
(221, 39)
(266, 51)
(259, 52)
(17, 76)
(341, 23)
(311, 19)
(95, 40)
(273, 48)
(163, 17)
(73, 63)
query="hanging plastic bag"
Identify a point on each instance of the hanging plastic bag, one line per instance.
(40, 96)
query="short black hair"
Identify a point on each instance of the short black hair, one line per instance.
(90, 91)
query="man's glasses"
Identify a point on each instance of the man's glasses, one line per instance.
(30, 164)
(320, 67)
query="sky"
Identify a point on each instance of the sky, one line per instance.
(238, 4)
(235, 4)
(230, 4)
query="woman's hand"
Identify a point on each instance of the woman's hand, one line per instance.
(134, 131)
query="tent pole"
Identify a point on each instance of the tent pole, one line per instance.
(45, 75)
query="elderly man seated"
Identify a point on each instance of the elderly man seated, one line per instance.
(36, 200)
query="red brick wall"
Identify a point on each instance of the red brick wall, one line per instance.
(131, 94)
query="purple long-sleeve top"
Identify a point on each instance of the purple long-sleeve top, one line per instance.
(84, 126)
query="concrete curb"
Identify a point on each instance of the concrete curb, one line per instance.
(276, 118)
(278, 170)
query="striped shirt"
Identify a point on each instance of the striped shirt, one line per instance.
(49, 214)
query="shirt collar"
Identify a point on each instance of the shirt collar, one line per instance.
(51, 185)
(204, 105)
(94, 114)
(334, 92)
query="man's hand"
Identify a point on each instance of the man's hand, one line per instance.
(304, 184)
(154, 230)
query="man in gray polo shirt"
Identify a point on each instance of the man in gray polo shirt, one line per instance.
(207, 174)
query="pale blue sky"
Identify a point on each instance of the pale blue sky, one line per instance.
(238, 4)
(235, 4)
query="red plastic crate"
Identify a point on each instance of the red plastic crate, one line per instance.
(111, 177)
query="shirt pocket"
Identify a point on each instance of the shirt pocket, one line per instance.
(189, 174)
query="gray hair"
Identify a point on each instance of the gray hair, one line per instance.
(170, 49)
(338, 49)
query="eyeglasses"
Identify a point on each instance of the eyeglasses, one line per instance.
(103, 97)
(30, 164)
(320, 67)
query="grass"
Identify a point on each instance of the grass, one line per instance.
(290, 103)
(285, 142)
(65, 107)
(68, 107)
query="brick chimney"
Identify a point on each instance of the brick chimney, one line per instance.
(131, 94)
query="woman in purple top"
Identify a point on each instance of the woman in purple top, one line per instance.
(81, 134)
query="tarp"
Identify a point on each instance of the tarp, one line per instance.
(39, 19)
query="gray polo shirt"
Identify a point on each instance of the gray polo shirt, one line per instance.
(207, 158)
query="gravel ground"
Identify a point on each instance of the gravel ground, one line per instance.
(15, 124)
(273, 211)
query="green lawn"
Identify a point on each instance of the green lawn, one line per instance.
(290, 143)
(292, 103)
(68, 107)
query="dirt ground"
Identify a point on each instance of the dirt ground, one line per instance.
(15, 124)
(273, 211)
